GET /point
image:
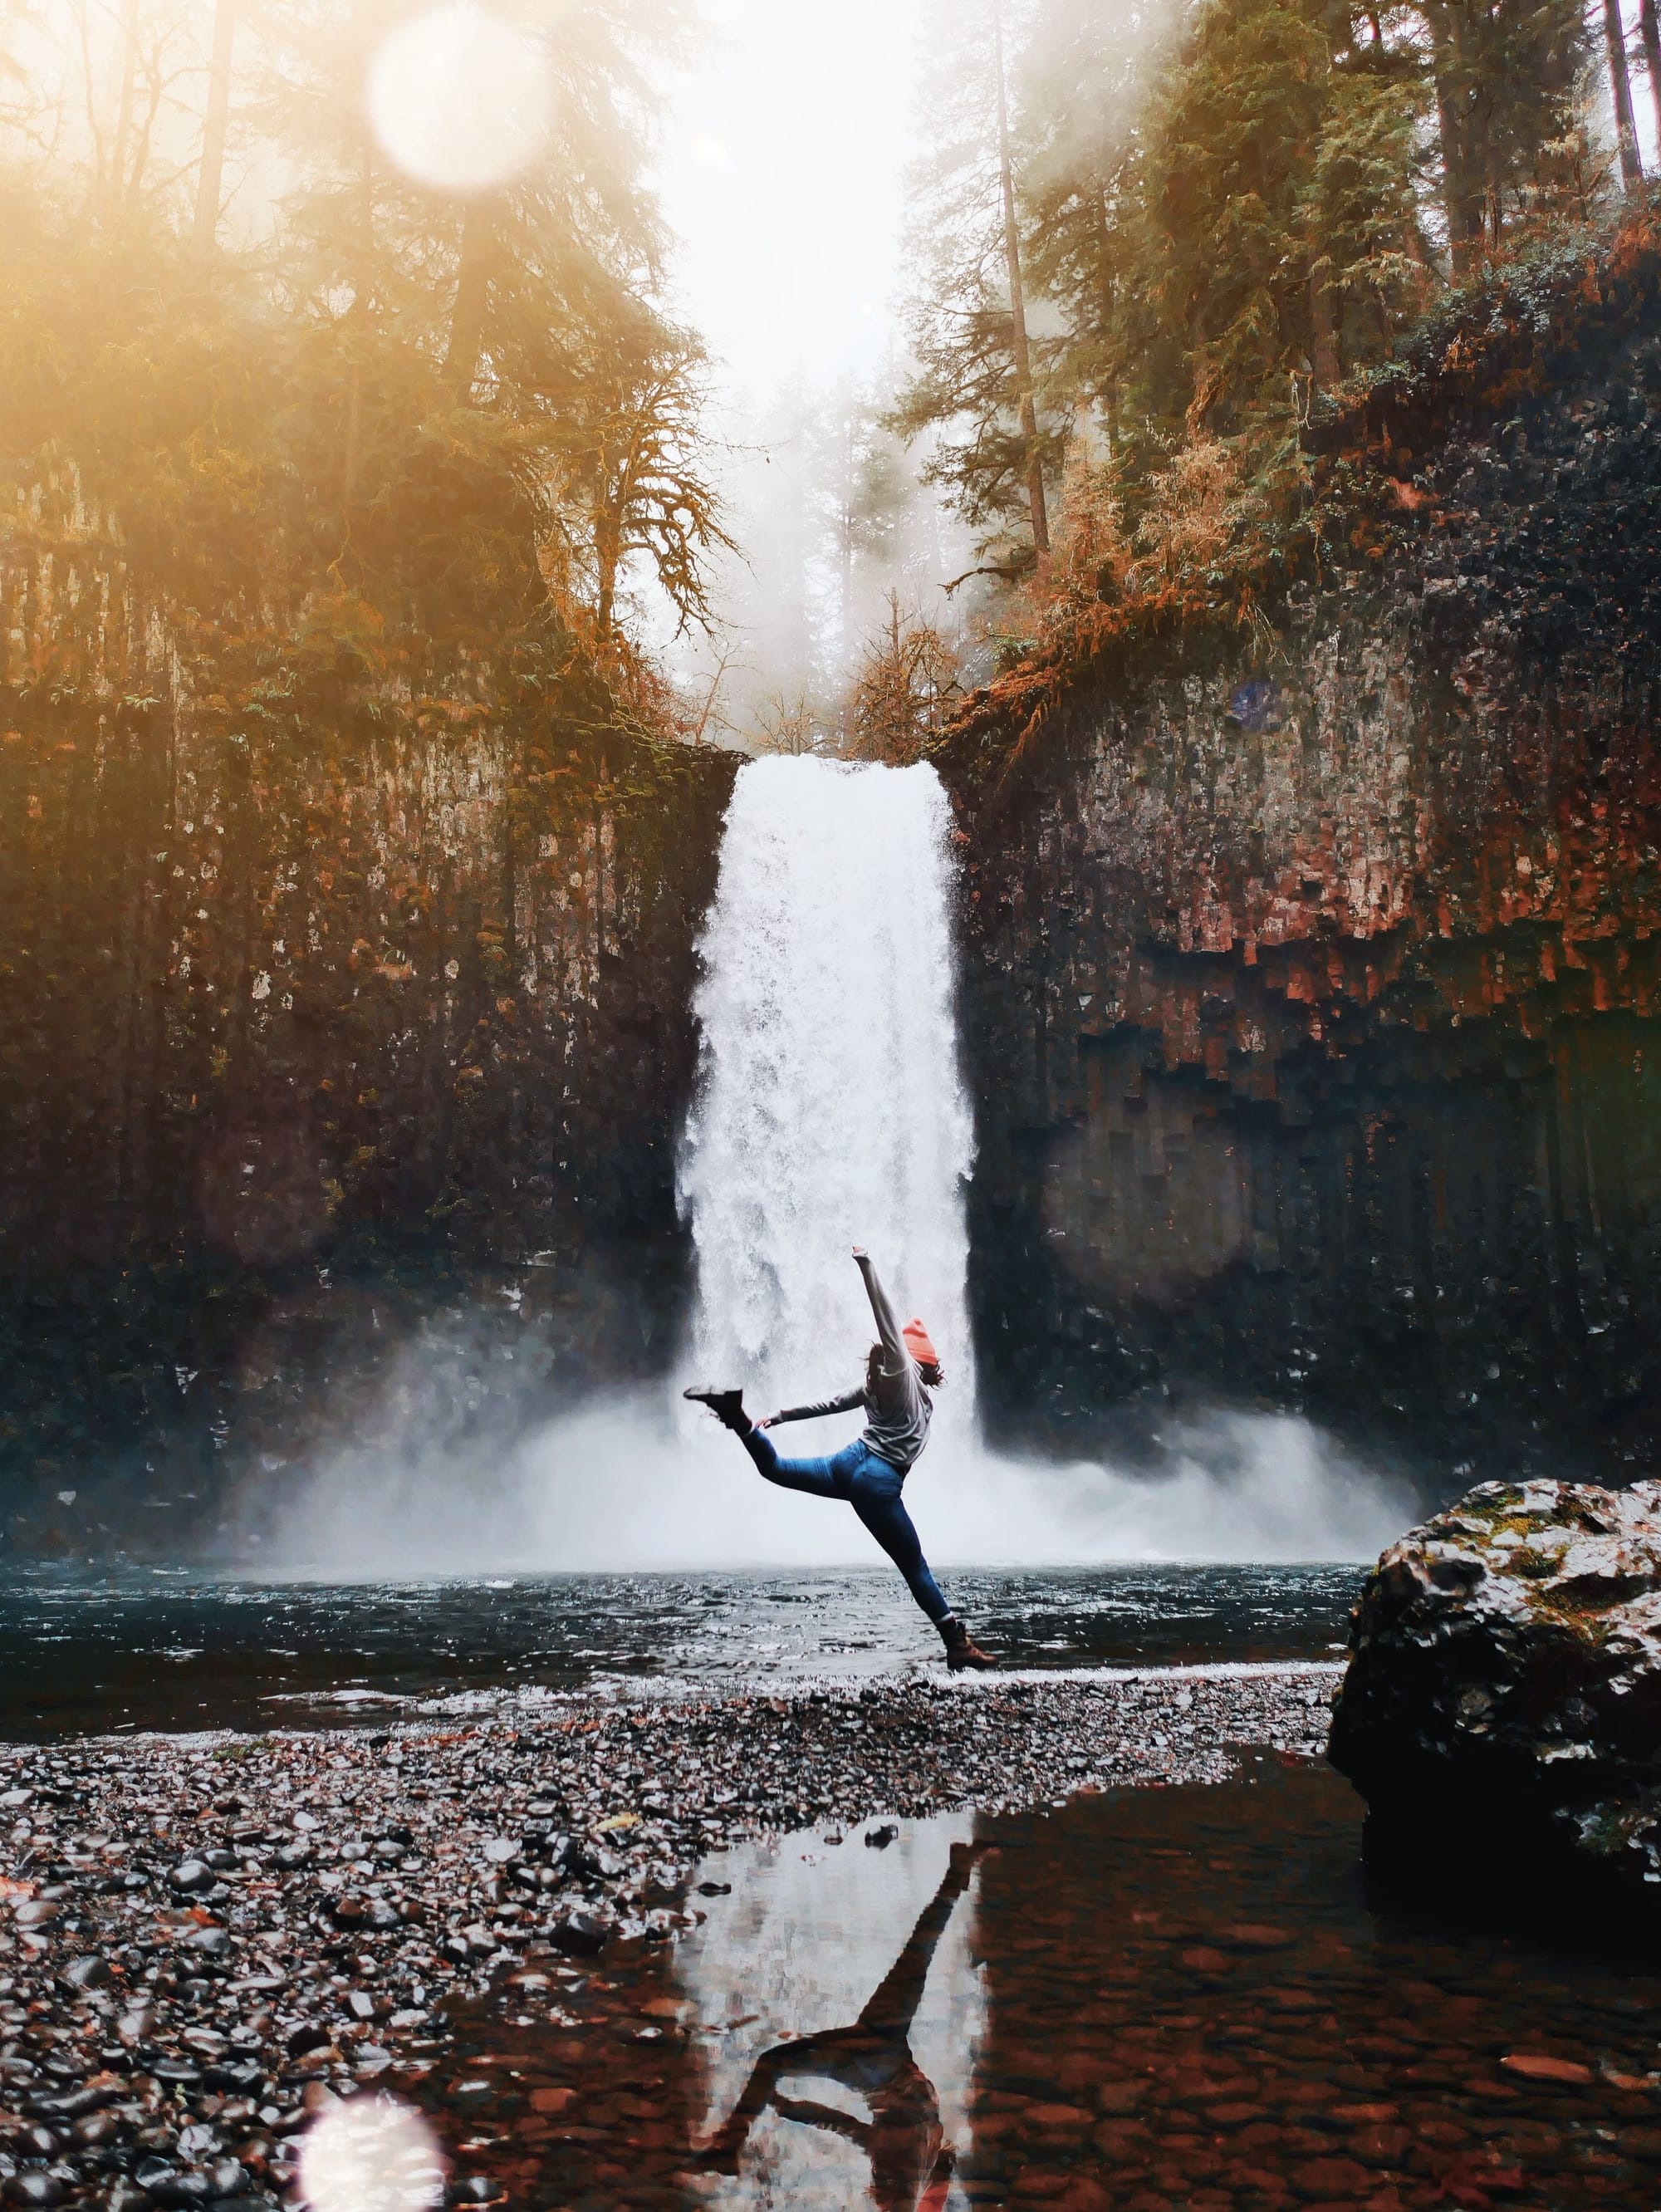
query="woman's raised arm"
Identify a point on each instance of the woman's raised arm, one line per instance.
(887, 1327)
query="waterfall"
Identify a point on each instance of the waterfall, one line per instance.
(829, 1112)
(830, 1109)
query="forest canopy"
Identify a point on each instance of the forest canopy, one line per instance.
(414, 407)
(397, 415)
(1155, 238)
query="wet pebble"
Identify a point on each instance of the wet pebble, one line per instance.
(201, 1938)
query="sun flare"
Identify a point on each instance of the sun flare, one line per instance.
(460, 99)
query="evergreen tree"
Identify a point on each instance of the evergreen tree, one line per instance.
(870, 489)
(1626, 122)
(1506, 74)
(1084, 86)
(883, 523)
(974, 387)
(1236, 143)
(1370, 260)
(1649, 38)
(215, 124)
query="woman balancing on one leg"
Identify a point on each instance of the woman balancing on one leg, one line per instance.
(870, 1475)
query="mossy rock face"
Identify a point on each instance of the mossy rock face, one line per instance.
(1504, 1685)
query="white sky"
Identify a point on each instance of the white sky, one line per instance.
(781, 174)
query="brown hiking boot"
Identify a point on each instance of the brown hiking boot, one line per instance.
(727, 1405)
(961, 1651)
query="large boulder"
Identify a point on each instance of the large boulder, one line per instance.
(1502, 1712)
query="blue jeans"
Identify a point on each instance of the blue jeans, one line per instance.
(867, 1483)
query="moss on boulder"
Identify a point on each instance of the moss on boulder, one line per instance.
(1502, 1707)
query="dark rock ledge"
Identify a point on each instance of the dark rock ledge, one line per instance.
(203, 1941)
(1502, 1712)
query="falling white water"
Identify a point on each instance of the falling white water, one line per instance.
(830, 1110)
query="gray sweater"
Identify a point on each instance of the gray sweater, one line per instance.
(898, 1406)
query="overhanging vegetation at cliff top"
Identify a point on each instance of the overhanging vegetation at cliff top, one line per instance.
(1215, 569)
(1512, 333)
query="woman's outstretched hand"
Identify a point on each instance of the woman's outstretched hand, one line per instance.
(860, 1253)
(768, 1421)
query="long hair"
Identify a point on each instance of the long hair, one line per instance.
(932, 1373)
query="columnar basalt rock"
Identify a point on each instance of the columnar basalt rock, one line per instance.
(343, 1013)
(1311, 1005)
(1502, 1704)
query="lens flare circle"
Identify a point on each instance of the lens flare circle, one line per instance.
(461, 99)
(371, 2155)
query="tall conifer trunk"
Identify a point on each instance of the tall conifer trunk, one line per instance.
(1649, 31)
(1023, 361)
(1104, 253)
(123, 111)
(215, 122)
(1328, 367)
(1461, 205)
(357, 336)
(1626, 124)
(1463, 169)
(1461, 191)
(1109, 400)
(467, 317)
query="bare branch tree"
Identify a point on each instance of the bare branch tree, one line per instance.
(905, 690)
(790, 725)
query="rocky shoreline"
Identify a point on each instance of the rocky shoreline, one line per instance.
(202, 1939)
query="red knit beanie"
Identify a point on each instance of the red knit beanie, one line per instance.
(918, 1344)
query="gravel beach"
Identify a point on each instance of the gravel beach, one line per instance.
(202, 1938)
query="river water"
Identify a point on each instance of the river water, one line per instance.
(1148, 1999)
(163, 1648)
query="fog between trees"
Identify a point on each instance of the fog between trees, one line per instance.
(402, 410)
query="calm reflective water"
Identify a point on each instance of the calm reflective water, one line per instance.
(1148, 1999)
(160, 1648)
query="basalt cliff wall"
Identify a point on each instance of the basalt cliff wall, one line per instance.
(1309, 1000)
(1312, 1001)
(344, 1036)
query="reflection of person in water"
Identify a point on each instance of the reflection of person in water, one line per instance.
(911, 2160)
